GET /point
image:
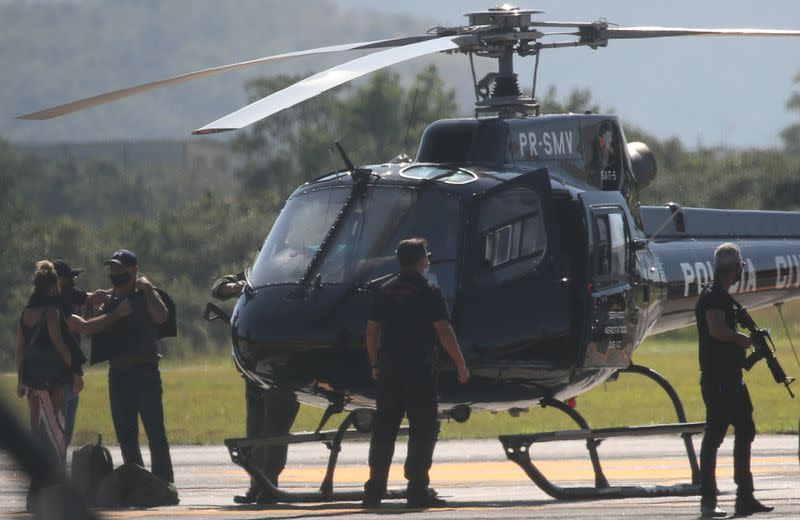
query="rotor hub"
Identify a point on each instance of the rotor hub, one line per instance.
(503, 16)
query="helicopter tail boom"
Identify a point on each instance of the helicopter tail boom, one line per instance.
(684, 249)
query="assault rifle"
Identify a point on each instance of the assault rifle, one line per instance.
(763, 348)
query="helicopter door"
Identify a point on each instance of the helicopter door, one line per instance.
(513, 310)
(613, 315)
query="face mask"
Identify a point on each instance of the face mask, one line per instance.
(68, 285)
(120, 280)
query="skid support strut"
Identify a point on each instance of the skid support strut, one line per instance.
(679, 412)
(518, 449)
(241, 450)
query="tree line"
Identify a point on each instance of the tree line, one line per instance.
(82, 211)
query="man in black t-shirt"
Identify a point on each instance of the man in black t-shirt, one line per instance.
(135, 389)
(722, 353)
(407, 317)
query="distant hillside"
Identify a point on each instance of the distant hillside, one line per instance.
(708, 92)
(56, 51)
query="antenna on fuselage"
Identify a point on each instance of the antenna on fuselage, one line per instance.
(359, 175)
(676, 215)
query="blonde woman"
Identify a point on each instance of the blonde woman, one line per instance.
(41, 326)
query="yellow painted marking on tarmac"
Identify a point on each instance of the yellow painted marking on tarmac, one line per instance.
(241, 513)
(281, 513)
(302, 510)
(653, 469)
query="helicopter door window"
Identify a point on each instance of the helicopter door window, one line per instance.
(513, 229)
(498, 246)
(616, 228)
(532, 236)
(612, 244)
(603, 247)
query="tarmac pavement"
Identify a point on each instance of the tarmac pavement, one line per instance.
(473, 476)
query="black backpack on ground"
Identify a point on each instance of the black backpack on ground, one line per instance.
(91, 463)
(131, 485)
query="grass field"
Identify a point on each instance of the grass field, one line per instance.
(204, 401)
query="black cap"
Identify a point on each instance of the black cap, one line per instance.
(124, 258)
(64, 270)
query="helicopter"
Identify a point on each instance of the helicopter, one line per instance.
(552, 268)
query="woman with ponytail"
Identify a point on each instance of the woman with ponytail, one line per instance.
(42, 325)
(42, 316)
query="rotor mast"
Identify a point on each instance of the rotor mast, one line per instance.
(510, 34)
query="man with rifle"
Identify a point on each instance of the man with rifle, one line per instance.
(722, 357)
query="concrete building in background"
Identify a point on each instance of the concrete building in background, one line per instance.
(200, 156)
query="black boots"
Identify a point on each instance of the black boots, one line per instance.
(248, 498)
(424, 499)
(748, 505)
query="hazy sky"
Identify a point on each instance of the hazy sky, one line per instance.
(729, 91)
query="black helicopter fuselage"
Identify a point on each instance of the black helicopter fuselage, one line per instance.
(552, 271)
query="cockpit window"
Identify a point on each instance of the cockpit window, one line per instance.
(296, 236)
(364, 247)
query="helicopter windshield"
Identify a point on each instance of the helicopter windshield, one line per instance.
(296, 236)
(363, 248)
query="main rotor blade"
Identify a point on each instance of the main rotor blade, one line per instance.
(326, 80)
(661, 32)
(108, 97)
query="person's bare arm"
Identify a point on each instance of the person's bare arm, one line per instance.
(720, 331)
(97, 298)
(77, 383)
(54, 329)
(87, 327)
(156, 308)
(373, 346)
(447, 337)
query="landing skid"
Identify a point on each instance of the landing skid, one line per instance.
(517, 449)
(241, 449)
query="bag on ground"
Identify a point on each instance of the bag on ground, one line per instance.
(131, 485)
(91, 463)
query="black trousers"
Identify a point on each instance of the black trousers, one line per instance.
(399, 394)
(726, 404)
(135, 392)
(269, 412)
